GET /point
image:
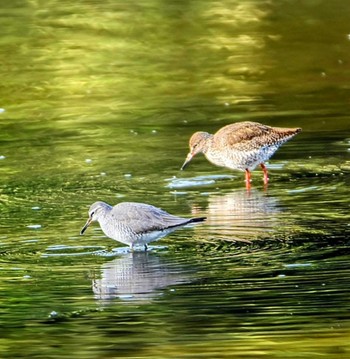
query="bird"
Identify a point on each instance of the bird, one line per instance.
(134, 223)
(240, 146)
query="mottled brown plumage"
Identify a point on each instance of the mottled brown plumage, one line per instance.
(240, 146)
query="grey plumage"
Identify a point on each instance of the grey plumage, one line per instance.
(135, 223)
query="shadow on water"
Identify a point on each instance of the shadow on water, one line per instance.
(241, 215)
(138, 277)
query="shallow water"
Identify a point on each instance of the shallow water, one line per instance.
(98, 103)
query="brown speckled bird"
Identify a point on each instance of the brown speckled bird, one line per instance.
(240, 146)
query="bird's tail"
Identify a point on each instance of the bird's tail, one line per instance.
(289, 132)
(197, 219)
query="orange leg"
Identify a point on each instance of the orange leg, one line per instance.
(266, 177)
(248, 179)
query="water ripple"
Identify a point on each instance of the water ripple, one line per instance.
(196, 181)
(62, 250)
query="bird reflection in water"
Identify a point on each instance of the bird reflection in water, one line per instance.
(137, 276)
(241, 215)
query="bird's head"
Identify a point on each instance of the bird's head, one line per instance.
(198, 144)
(96, 210)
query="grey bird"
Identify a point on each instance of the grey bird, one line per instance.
(135, 223)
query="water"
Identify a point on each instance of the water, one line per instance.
(98, 103)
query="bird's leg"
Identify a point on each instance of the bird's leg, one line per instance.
(247, 179)
(146, 247)
(266, 177)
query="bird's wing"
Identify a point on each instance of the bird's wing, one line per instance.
(143, 218)
(239, 133)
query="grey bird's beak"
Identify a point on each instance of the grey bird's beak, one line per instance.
(188, 159)
(87, 224)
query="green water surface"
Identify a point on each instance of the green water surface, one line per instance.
(97, 102)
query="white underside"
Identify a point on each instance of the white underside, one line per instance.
(241, 160)
(132, 239)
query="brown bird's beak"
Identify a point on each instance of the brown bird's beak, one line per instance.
(188, 159)
(86, 225)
